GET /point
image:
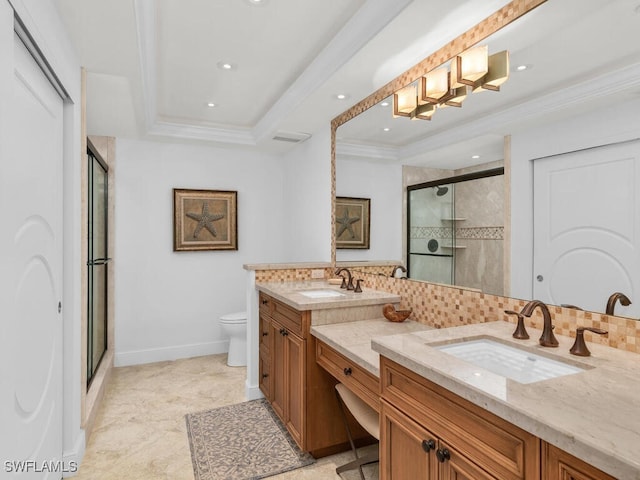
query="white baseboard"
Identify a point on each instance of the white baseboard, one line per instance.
(252, 392)
(152, 355)
(73, 458)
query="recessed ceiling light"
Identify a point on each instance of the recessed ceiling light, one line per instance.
(256, 3)
(384, 104)
(475, 157)
(523, 67)
(211, 104)
(226, 66)
(342, 96)
(386, 129)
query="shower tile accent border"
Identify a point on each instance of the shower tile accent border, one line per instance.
(443, 306)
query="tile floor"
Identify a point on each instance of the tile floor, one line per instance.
(140, 432)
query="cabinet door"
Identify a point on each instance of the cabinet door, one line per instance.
(278, 372)
(407, 450)
(294, 370)
(559, 465)
(264, 372)
(454, 466)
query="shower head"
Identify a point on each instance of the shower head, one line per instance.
(441, 190)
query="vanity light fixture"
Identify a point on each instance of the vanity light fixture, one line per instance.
(405, 101)
(471, 71)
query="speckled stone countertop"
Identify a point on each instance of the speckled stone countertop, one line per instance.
(353, 339)
(594, 414)
(291, 294)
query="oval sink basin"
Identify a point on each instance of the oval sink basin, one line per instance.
(321, 293)
(511, 362)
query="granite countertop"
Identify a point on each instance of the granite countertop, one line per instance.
(291, 294)
(353, 339)
(594, 414)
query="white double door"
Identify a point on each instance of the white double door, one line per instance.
(587, 227)
(31, 161)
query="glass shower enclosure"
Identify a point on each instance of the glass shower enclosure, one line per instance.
(431, 233)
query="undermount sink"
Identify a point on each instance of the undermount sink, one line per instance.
(515, 363)
(321, 293)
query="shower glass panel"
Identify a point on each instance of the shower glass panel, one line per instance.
(431, 219)
(97, 263)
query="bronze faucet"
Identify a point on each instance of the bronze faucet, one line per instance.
(396, 268)
(547, 339)
(349, 285)
(611, 303)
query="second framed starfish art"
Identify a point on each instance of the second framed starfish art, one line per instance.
(352, 222)
(205, 220)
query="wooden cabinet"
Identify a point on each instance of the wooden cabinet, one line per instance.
(469, 442)
(559, 465)
(301, 393)
(355, 378)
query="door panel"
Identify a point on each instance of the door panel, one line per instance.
(587, 227)
(31, 133)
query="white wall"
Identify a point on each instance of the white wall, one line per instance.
(308, 199)
(615, 123)
(382, 183)
(167, 302)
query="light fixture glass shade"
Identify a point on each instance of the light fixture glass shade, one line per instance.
(434, 85)
(405, 101)
(423, 112)
(455, 97)
(498, 72)
(472, 65)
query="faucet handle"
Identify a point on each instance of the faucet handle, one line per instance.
(344, 282)
(579, 346)
(520, 332)
(358, 288)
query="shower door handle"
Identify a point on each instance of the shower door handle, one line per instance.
(98, 261)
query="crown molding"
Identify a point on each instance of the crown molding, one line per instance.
(371, 152)
(235, 136)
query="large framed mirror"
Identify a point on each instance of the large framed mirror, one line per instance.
(571, 62)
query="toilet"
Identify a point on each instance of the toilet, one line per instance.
(234, 325)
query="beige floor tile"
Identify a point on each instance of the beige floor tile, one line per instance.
(140, 432)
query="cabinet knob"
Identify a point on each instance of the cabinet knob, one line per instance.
(443, 455)
(347, 371)
(265, 375)
(428, 445)
(264, 334)
(265, 302)
(284, 332)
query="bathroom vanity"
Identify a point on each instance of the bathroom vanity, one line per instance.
(300, 391)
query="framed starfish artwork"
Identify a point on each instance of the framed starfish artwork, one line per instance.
(352, 222)
(205, 220)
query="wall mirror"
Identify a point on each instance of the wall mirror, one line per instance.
(563, 56)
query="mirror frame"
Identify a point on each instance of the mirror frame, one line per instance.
(499, 19)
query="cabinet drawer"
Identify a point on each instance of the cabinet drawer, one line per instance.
(264, 332)
(497, 446)
(288, 317)
(265, 304)
(559, 465)
(264, 372)
(356, 378)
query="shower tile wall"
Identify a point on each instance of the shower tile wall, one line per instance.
(480, 264)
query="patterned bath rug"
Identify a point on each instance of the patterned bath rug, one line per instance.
(241, 442)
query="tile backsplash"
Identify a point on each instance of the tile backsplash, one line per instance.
(444, 306)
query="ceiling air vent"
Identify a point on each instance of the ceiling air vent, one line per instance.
(291, 137)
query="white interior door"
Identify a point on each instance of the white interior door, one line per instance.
(31, 134)
(587, 227)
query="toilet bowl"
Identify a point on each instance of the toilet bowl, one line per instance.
(234, 325)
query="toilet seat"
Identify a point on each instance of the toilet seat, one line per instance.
(237, 317)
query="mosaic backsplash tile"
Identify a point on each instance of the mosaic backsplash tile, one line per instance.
(443, 306)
